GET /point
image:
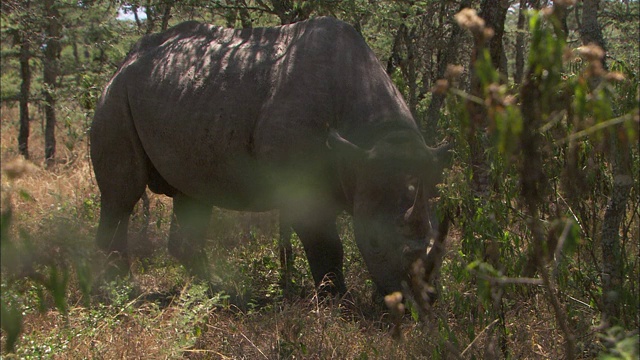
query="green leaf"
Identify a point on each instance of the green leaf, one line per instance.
(24, 195)
(57, 285)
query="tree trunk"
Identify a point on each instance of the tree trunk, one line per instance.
(590, 30)
(411, 72)
(449, 55)
(395, 58)
(517, 78)
(534, 183)
(504, 65)
(494, 13)
(245, 17)
(151, 16)
(612, 277)
(612, 265)
(135, 8)
(288, 12)
(25, 88)
(561, 13)
(238, 9)
(284, 10)
(50, 69)
(166, 14)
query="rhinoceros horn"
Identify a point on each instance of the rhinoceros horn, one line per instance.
(418, 210)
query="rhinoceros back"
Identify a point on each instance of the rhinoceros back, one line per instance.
(219, 113)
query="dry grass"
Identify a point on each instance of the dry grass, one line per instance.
(58, 210)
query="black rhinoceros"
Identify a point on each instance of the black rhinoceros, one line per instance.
(300, 118)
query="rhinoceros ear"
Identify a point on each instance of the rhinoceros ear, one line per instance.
(344, 146)
(440, 157)
(443, 155)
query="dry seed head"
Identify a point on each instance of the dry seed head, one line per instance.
(488, 33)
(442, 85)
(17, 168)
(468, 18)
(595, 69)
(546, 12)
(591, 52)
(392, 300)
(567, 54)
(565, 2)
(494, 89)
(615, 76)
(509, 100)
(453, 71)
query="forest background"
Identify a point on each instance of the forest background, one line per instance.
(540, 101)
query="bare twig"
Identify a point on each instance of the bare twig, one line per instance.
(221, 355)
(580, 302)
(254, 345)
(478, 336)
(575, 217)
(597, 127)
(560, 246)
(511, 280)
(469, 97)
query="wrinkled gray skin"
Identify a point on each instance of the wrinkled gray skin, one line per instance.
(300, 118)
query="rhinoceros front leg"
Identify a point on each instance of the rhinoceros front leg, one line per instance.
(187, 234)
(322, 245)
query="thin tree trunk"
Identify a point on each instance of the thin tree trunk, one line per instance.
(411, 72)
(151, 17)
(395, 58)
(561, 13)
(284, 10)
(50, 69)
(166, 15)
(590, 30)
(235, 10)
(245, 17)
(612, 265)
(612, 277)
(448, 56)
(504, 65)
(25, 88)
(517, 78)
(135, 8)
(494, 13)
(533, 183)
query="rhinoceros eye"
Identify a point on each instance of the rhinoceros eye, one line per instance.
(412, 186)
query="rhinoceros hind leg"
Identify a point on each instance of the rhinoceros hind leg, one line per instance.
(187, 234)
(115, 211)
(121, 169)
(324, 252)
(285, 250)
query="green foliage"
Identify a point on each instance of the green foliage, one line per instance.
(579, 112)
(620, 345)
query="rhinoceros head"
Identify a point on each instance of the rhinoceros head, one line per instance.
(392, 183)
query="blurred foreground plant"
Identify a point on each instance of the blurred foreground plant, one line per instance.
(544, 190)
(27, 269)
